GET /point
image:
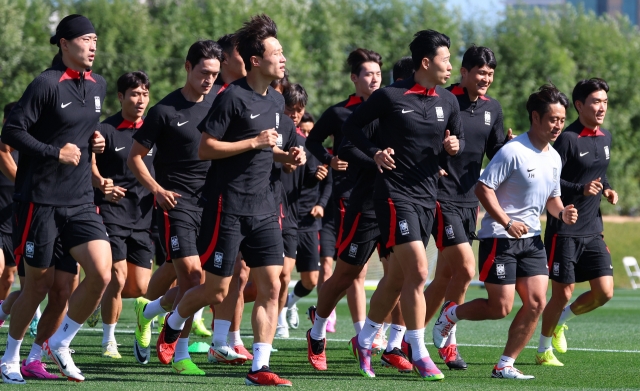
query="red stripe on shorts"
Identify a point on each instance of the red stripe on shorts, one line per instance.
(392, 224)
(20, 249)
(345, 243)
(167, 228)
(440, 227)
(488, 263)
(552, 253)
(343, 211)
(214, 239)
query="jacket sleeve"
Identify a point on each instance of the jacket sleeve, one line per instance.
(370, 110)
(496, 137)
(322, 129)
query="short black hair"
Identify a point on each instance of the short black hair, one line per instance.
(250, 37)
(478, 56)
(586, 87)
(206, 49)
(284, 82)
(360, 56)
(133, 80)
(7, 109)
(403, 69)
(540, 100)
(295, 95)
(308, 117)
(227, 43)
(426, 44)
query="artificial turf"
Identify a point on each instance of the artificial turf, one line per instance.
(604, 353)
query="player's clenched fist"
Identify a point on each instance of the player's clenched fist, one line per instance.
(384, 160)
(321, 173)
(451, 143)
(69, 154)
(98, 143)
(338, 165)
(569, 214)
(266, 139)
(593, 188)
(518, 229)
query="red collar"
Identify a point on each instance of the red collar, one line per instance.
(586, 132)
(418, 89)
(126, 124)
(70, 74)
(224, 87)
(300, 132)
(457, 90)
(354, 100)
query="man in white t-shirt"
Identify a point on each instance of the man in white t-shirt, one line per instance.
(518, 184)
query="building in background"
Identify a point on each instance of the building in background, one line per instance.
(630, 8)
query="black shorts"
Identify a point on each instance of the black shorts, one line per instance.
(223, 235)
(62, 261)
(131, 244)
(577, 259)
(7, 250)
(290, 242)
(403, 222)
(342, 204)
(179, 229)
(360, 238)
(502, 260)
(453, 224)
(308, 252)
(43, 227)
(328, 232)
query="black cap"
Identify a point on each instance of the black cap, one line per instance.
(72, 26)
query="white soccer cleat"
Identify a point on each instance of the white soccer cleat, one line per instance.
(292, 317)
(225, 355)
(509, 373)
(11, 373)
(62, 358)
(443, 327)
(141, 354)
(282, 332)
(379, 343)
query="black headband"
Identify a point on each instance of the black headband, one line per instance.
(72, 26)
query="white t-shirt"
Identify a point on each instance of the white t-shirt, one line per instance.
(524, 178)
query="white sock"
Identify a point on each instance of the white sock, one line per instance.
(282, 318)
(261, 355)
(452, 337)
(12, 354)
(38, 314)
(368, 333)
(153, 308)
(198, 315)
(385, 327)
(319, 329)
(506, 362)
(3, 315)
(545, 344)
(451, 314)
(220, 332)
(108, 333)
(234, 338)
(35, 354)
(292, 299)
(566, 315)
(358, 326)
(416, 339)
(175, 321)
(182, 350)
(64, 335)
(395, 337)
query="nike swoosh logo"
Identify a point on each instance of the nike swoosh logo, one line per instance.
(406, 111)
(254, 116)
(138, 354)
(180, 124)
(60, 362)
(530, 169)
(582, 154)
(63, 105)
(120, 149)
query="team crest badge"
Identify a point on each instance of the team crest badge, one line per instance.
(448, 230)
(440, 114)
(29, 249)
(175, 245)
(98, 105)
(217, 260)
(500, 269)
(556, 269)
(353, 250)
(404, 227)
(487, 118)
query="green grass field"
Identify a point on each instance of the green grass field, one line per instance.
(604, 354)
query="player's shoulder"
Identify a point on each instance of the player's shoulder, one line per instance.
(168, 103)
(48, 79)
(99, 79)
(112, 122)
(447, 96)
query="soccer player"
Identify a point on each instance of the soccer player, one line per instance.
(418, 120)
(578, 253)
(52, 126)
(306, 123)
(521, 180)
(366, 76)
(171, 126)
(305, 203)
(7, 259)
(127, 209)
(240, 213)
(361, 236)
(457, 206)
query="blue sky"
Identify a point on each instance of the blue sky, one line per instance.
(487, 9)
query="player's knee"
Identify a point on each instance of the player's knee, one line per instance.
(417, 279)
(602, 297)
(502, 310)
